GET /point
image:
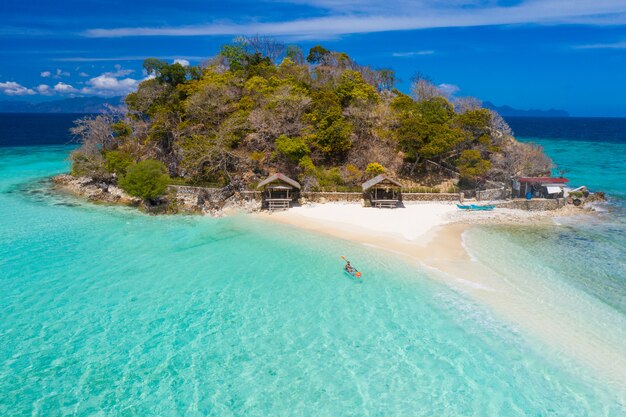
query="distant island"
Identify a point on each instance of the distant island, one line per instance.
(68, 105)
(508, 111)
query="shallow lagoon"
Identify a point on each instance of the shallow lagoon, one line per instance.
(110, 312)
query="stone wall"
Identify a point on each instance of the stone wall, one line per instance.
(432, 196)
(212, 200)
(328, 196)
(198, 196)
(502, 193)
(536, 204)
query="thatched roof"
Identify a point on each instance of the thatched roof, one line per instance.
(381, 179)
(279, 177)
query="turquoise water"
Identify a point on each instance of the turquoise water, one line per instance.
(106, 311)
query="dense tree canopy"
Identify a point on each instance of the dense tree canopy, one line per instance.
(260, 106)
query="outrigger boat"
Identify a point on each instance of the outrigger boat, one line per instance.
(352, 271)
(474, 207)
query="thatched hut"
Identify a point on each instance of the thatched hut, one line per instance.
(278, 191)
(382, 191)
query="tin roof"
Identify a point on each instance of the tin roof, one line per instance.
(543, 180)
(379, 179)
(279, 177)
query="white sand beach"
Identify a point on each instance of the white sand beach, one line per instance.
(431, 234)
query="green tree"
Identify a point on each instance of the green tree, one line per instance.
(436, 110)
(118, 162)
(332, 131)
(374, 168)
(294, 53)
(318, 55)
(292, 148)
(352, 89)
(172, 74)
(146, 179)
(472, 166)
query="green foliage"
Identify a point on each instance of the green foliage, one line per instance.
(332, 130)
(146, 179)
(87, 164)
(172, 74)
(475, 121)
(472, 166)
(425, 129)
(236, 54)
(354, 174)
(118, 161)
(257, 156)
(121, 129)
(437, 110)
(294, 53)
(318, 55)
(308, 167)
(242, 114)
(293, 149)
(330, 177)
(374, 168)
(352, 89)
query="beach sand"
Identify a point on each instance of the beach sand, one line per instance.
(432, 236)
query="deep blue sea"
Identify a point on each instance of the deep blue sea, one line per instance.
(109, 312)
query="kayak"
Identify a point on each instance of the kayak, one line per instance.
(472, 207)
(353, 272)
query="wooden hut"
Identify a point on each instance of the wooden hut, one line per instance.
(382, 191)
(538, 187)
(278, 191)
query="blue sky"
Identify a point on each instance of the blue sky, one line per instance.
(566, 54)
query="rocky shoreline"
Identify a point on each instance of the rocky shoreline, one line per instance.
(218, 202)
(206, 201)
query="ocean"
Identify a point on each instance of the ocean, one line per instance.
(107, 311)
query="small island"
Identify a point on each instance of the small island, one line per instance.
(202, 138)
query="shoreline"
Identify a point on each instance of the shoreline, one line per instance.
(441, 250)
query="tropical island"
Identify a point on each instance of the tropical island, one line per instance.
(260, 107)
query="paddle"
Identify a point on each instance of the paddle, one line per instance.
(357, 273)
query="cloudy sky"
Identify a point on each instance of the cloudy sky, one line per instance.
(566, 54)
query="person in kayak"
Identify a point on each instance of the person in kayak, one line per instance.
(349, 267)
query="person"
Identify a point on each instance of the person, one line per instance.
(348, 267)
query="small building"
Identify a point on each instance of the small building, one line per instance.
(539, 187)
(382, 191)
(278, 191)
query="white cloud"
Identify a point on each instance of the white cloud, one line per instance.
(45, 74)
(125, 58)
(412, 54)
(44, 90)
(59, 73)
(360, 16)
(615, 45)
(109, 86)
(63, 88)
(83, 74)
(182, 62)
(11, 88)
(448, 89)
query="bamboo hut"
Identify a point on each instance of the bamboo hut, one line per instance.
(278, 191)
(382, 191)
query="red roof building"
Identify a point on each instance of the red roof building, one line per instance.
(543, 180)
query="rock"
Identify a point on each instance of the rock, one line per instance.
(92, 190)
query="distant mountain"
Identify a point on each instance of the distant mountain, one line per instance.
(508, 111)
(69, 105)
